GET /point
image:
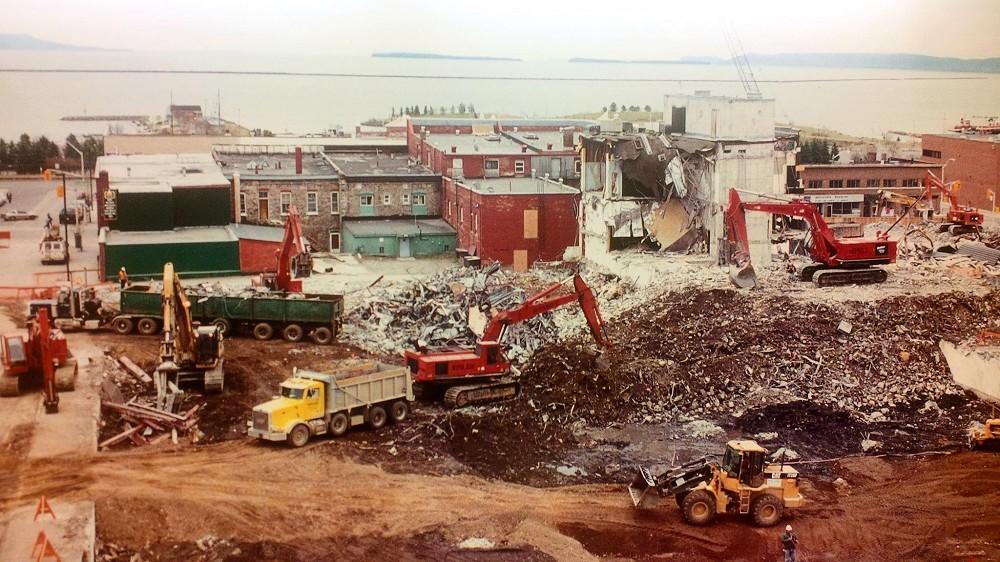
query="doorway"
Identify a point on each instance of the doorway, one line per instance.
(262, 207)
(404, 247)
(335, 242)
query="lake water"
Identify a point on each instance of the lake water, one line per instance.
(34, 102)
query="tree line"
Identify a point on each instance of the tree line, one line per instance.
(817, 151)
(614, 107)
(31, 156)
(416, 111)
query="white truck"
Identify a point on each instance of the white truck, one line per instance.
(313, 403)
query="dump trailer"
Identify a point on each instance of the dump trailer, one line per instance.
(313, 403)
(294, 317)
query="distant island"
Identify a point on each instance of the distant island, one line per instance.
(620, 61)
(900, 61)
(407, 55)
(22, 42)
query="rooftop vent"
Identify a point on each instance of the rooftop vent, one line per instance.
(531, 136)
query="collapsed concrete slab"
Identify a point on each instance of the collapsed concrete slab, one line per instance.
(975, 368)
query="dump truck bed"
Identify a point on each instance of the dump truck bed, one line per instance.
(385, 383)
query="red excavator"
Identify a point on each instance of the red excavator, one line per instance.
(838, 261)
(43, 354)
(474, 375)
(294, 261)
(960, 219)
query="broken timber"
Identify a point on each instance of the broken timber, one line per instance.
(136, 371)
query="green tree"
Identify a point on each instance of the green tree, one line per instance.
(429, 110)
(453, 110)
(416, 110)
(393, 112)
(461, 108)
(647, 109)
(472, 109)
(613, 108)
(442, 110)
(604, 109)
(426, 110)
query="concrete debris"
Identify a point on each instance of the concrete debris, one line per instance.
(930, 407)
(785, 454)
(701, 429)
(476, 543)
(845, 327)
(766, 436)
(567, 470)
(869, 445)
(841, 484)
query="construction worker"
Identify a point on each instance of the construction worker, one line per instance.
(122, 277)
(789, 542)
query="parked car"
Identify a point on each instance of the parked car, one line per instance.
(67, 216)
(16, 215)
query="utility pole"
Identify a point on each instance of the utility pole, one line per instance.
(69, 279)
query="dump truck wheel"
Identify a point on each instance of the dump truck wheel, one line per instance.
(399, 410)
(263, 331)
(122, 325)
(767, 510)
(322, 335)
(699, 507)
(224, 326)
(679, 498)
(299, 436)
(147, 326)
(339, 424)
(376, 417)
(293, 333)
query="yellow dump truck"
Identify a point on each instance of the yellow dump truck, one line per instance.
(313, 403)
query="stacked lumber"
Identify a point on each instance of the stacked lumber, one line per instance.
(145, 424)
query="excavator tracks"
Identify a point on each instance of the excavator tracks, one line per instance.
(833, 277)
(473, 394)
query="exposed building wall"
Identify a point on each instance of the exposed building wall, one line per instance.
(257, 256)
(721, 117)
(976, 165)
(193, 259)
(315, 225)
(352, 190)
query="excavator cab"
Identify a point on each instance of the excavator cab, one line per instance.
(207, 344)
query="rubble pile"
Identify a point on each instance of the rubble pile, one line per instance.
(436, 312)
(708, 354)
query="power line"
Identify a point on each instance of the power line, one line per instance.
(468, 77)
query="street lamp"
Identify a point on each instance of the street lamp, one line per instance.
(82, 175)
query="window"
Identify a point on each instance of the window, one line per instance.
(386, 199)
(912, 182)
(814, 184)
(871, 182)
(404, 199)
(334, 203)
(888, 183)
(492, 164)
(367, 200)
(243, 204)
(475, 221)
(312, 203)
(836, 183)
(932, 153)
(419, 199)
(845, 208)
(577, 166)
(285, 199)
(518, 166)
(853, 183)
(461, 215)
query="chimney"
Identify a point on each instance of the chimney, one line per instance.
(549, 146)
(524, 148)
(568, 138)
(298, 159)
(454, 149)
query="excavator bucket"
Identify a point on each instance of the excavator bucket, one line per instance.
(743, 277)
(643, 490)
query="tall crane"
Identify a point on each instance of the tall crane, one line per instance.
(294, 261)
(474, 375)
(743, 67)
(187, 353)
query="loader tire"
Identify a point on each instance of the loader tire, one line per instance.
(679, 498)
(299, 436)
(699, 507)
(376, 417)
(767, 510)
(339, 424)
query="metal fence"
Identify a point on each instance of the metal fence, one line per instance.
(84, 276)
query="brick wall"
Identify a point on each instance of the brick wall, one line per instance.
(865, 173)
(976, 165)
(258, 255)
(495, 224)
(351, 190)
(316, 226)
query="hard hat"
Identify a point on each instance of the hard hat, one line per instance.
(123, 268)
(788, 527)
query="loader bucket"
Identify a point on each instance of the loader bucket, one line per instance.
(743, 277)
(643, 490)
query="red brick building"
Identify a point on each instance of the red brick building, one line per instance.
(515, 221)
(852, 189)
(976, 163)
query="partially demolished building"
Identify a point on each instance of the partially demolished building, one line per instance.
(668, 190)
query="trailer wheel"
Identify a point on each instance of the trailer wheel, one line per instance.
(263, 331)
(767, 510)
(376, 417)
(147, 326)
(699, 507)
(223, 325)
(399, 410)
(122, 325)
(322, 335)
(293, 333)
(339, 424)
(299, 436)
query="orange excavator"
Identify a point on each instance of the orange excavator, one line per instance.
(960, 219)
(837, 261)
(464, 376)
(294, 261)
(44, 355)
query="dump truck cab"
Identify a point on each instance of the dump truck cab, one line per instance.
(300, 400)
(744, 482)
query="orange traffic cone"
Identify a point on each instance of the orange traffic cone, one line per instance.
(43, 549)
(43, 508)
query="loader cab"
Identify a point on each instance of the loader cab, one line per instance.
(744, 460)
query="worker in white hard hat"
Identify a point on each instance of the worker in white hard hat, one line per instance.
(122, 277)
(789, 541)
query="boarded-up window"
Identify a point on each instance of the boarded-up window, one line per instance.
(520, 260)
(530, 224)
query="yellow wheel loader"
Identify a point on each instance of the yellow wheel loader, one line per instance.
(743, 483)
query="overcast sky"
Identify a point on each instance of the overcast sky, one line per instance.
(536, 29)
